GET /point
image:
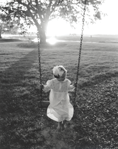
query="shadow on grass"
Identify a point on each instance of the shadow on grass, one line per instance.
(9, 40)
(12, 78)
(14, 74)
(14, 111)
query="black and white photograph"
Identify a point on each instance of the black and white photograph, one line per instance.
(58, 74)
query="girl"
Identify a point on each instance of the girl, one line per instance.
(60, 108)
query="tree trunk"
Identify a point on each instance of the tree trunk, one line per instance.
(42, 32)
(42, 35)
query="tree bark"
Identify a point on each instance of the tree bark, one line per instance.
(42, 35)
(42, 31)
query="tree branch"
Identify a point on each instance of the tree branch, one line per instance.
(57, 2)
(38, 9)
(50, 4)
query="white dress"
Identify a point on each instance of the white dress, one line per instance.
(60, 108)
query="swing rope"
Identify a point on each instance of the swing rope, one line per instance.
(40, 71)
(79, 58)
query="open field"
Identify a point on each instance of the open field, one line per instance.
(23, 125)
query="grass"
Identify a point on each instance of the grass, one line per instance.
(23, 125)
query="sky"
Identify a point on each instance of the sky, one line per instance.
(108, 24)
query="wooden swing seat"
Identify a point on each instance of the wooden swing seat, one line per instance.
(43, 104)
(45, 101)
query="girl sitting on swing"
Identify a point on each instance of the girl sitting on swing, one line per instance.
(60, 109)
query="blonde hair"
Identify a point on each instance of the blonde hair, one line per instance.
(58, 71)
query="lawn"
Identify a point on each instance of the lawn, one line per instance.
(24, 125)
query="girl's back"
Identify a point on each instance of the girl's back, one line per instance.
(60, 108)
(60, 86)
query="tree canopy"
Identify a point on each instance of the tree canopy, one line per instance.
(40, 12)
(5, 23)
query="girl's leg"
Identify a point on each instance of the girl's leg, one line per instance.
(63, 125)
(59, 126)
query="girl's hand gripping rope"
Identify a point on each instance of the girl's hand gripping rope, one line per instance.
(75, 85)
(41, 87)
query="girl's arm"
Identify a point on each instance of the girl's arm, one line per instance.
(70, 86)
(47, 87)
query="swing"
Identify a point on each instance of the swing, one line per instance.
(45, 103)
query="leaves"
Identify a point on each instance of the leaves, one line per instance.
(98, 15)
(45, 10)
